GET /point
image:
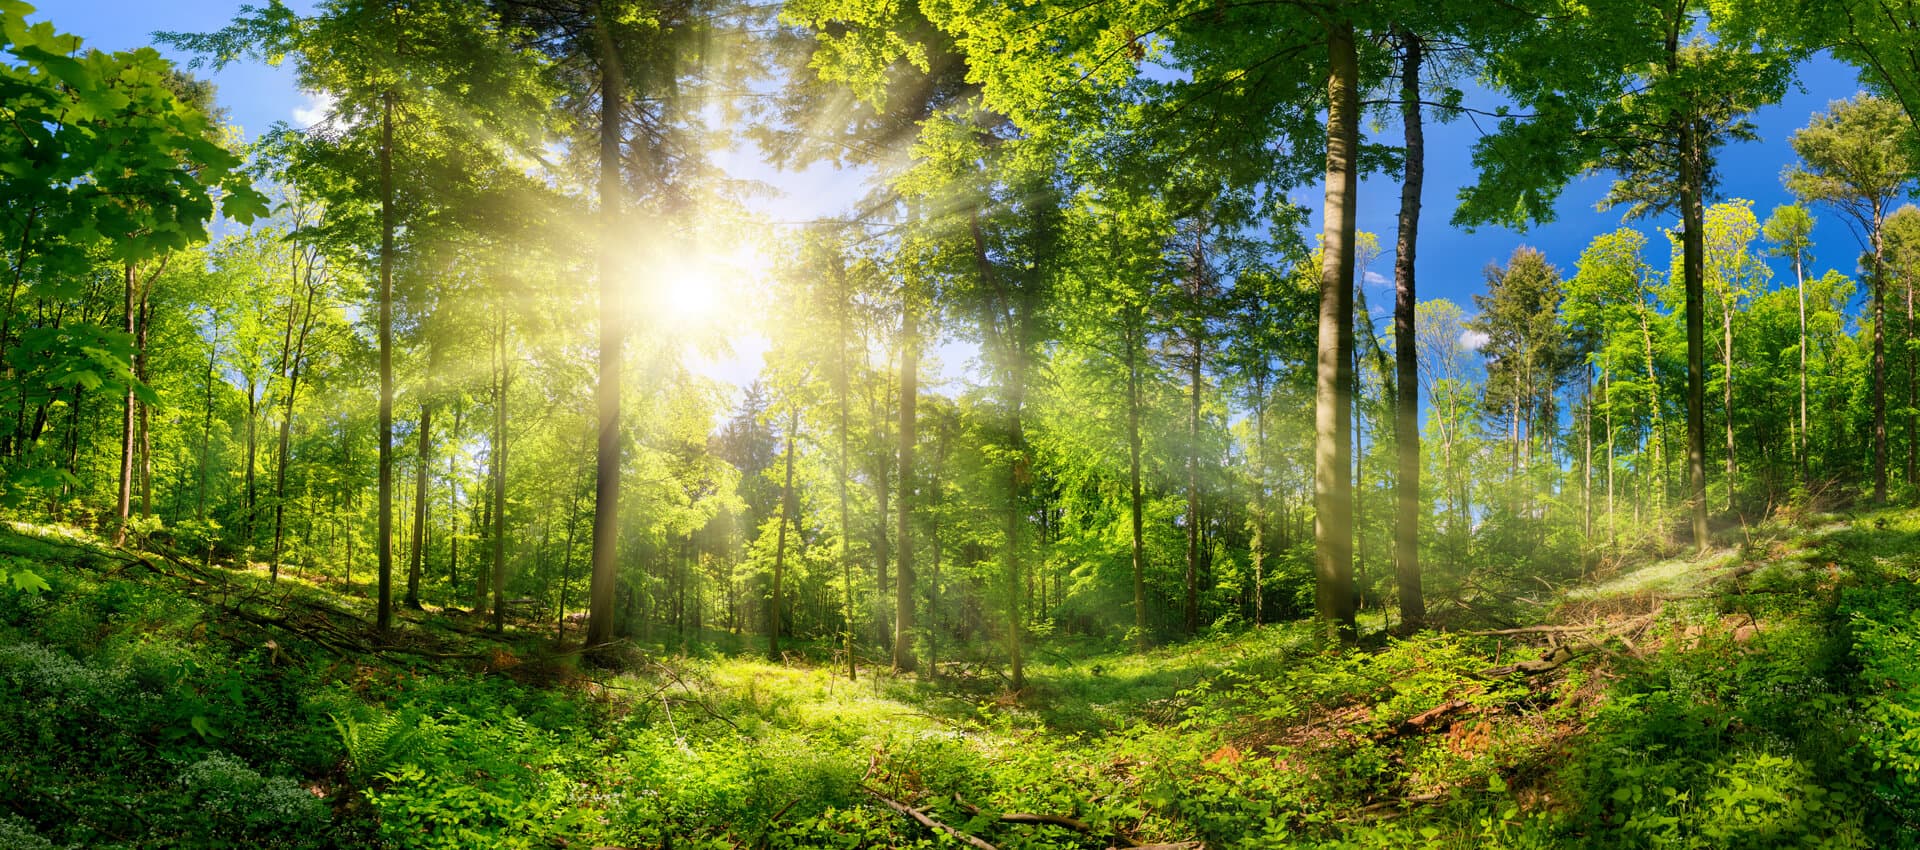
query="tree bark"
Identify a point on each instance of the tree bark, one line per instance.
(1693, 251)
(843, 389)
(1406, 419)
(1190, 610)
(1878, 273)
(384, 523)
(499, 456)
(1333, 439)
(126, 427)
(420, 501)
(206, 421)
(904, 579)
(1726, 388)
(1134, 501)
(1800, 286)
(606, 502)
(780, 539)
(290, 366)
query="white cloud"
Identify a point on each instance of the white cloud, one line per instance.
(1472, 340)
(1373, 278)
(319, 107)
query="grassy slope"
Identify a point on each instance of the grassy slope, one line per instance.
(1758, 698)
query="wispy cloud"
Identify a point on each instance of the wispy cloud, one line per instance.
(1375, 279)
(1472, 340)
(319, 107)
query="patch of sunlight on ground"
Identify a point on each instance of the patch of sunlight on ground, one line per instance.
(1674, 574)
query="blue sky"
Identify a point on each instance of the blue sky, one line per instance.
(1450, 261)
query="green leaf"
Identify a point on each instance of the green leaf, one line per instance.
(27, 581)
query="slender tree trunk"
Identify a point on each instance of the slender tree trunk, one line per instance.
(290, 360)
(566, 571)
(1913, 397)
(1260, 495)
(780, 539)
(1406, 413)
(206, 420)
(253, 450)
(1134, 501)
(1800, 286)
(1190, 610)
(606, 502)
(384, 522)
(1693, 251)
(1333, 482)
(904, 580)
(1606, 395)
(1726, 388)
(499, 455)
(1016, 471)
(453, 510)
(843, 388)
(126, 427)
(146, 433)
(422, 465)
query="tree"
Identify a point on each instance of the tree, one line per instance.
(1858, 157)
(1527, 353)
(1646, 92)
(1790, 229)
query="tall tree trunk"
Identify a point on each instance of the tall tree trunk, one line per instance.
(420, 501)
(1878, 274)
(1726, 388)
(499, 456)
(843, 388)
(253, 450)
(384, 522)
(904, 580)
(1259, 543)
(1190, 610)
(126, 427)
(1333, 439)
(453, 509)
(1606, 395)
(1693, 252)
(206, 420)
(1913, 397)
(1016, 472)
(1406, 399)
(780, 539)
(290, 366)
(1800, 286)
(566, 570)
(140, 373)
(1134, 501)
(606, 501)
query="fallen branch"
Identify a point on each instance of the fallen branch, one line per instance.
(1424, 719)
(1403, 802)
(1541, 630)
(923, 819)
(1550, 662)
(1041, 820)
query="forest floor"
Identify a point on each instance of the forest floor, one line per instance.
(1760, 696)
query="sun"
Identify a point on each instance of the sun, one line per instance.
(697, 290)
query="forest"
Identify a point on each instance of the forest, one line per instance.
(491, 457)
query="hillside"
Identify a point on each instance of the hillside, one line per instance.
(1755, 698)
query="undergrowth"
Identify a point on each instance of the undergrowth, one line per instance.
(1763, 698)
